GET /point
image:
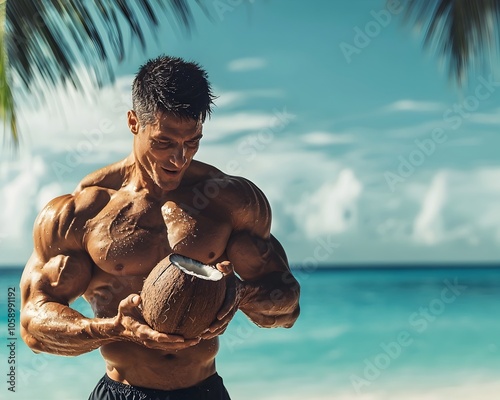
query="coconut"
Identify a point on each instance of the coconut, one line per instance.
(182, 296)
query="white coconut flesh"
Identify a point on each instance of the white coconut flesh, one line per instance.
(196, 268)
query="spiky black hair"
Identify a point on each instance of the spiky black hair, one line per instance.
(170, 84)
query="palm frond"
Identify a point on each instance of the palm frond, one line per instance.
(464, 32)
(46, 42)
(7, 106)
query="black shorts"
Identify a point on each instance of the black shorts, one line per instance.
(211, 388)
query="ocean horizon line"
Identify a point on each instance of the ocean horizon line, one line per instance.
(392, 266)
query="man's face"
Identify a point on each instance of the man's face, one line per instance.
(165, 148)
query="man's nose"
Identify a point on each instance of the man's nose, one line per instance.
(178, 157)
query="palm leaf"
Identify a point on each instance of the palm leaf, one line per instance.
(46, 42)
(464, 32)
(7, 107)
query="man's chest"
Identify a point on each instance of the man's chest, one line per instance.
(130, 235)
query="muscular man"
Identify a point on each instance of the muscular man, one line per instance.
(103, 240)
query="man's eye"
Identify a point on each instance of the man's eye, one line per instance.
(161, 145)
(193, 143)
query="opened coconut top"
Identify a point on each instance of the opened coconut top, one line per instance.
(196, 268)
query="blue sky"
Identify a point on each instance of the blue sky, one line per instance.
(365, 149)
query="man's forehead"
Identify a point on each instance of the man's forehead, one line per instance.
(173, 127)
(172, 121)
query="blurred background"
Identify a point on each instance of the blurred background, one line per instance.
(382, 170)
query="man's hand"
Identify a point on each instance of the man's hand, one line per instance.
(235, 290)
(130, 325)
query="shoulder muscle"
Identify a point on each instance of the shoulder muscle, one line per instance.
(252, 211)
(60, 225)
(53, 226)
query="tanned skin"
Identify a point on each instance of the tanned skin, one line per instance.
(103, 240)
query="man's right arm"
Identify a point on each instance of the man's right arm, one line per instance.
(58, 272)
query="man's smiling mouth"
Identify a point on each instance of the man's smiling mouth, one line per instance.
(171, 171)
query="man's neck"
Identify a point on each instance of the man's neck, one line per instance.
(137, 180)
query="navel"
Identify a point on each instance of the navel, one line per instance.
(119, 267)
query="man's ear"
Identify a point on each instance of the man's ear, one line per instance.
(133, 122)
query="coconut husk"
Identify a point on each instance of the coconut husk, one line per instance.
(182, 296)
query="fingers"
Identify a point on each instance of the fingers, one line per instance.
(210, 335)
(132, 327)
(143, 334)
(170, 342)
(174, 341)
(217, 325)
(271, 321)
(130, 302)
(225, 267)
(191, 342)
(143, 331)
(216, 328)
(169, 346)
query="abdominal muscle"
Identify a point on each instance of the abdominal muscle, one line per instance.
(137, 365)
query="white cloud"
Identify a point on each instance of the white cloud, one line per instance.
(489, 179)
(459, 207)
(235, 98)
(25, 188)
(331, 209)
(225, 125)
(18, 196)
(322, 138)
(485, 118)
(413, 105)
(246, 64)
(428, 225)
(70, 117)
(230, 99)
(480, 194)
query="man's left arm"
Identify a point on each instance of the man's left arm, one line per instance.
(269, 293)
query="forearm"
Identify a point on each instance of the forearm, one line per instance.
(58, 329)
(272, 301)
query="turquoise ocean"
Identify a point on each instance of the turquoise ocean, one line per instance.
(364, 333)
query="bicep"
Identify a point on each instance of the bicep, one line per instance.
(252, 249)
(59, 269)
(62, 278)
(254, 256)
